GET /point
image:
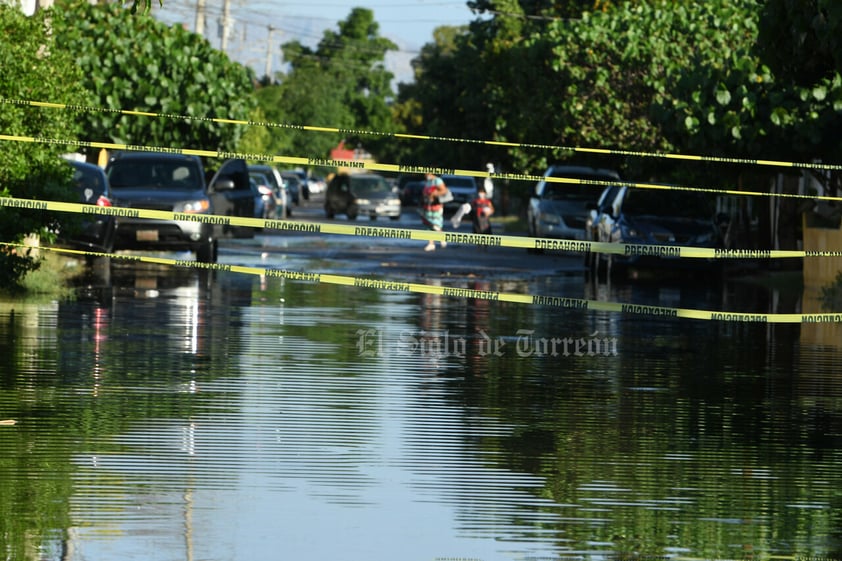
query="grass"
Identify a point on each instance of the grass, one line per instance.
(50, 279)
(511, 224)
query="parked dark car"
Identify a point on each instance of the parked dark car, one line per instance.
(463, 188)
(365, 194)
(265, 205)
(304, 183)
(411, 193)
(176, 183)
(97, 231)
(294, 185)
(558, 209)
(633, 215)
(277, 184)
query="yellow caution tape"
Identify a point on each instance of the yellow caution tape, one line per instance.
(400, 286)
(504, 144)
(665, 251)
(399, 168)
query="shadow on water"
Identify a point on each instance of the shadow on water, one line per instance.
(186, 414)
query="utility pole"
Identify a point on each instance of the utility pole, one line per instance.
(269, 48)
(226, 24)
(200, 17)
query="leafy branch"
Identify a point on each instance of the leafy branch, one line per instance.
(145, 5)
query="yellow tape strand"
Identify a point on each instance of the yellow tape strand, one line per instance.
(421, 235)
(400, 286)
(602, 151)
(396, 168)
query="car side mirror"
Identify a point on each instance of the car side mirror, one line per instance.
(223, 185)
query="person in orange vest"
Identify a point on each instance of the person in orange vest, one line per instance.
(483, 209)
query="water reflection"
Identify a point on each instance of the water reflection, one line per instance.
(180, 414)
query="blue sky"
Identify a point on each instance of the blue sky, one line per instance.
(408, 23)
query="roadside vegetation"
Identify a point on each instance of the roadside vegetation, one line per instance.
(725, 78)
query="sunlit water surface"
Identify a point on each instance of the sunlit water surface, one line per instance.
(178, 415)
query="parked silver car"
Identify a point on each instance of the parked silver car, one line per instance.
(559, 209)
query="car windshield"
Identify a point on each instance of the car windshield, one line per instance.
(558, 191)
(260, 179)
(366, 186)
(86, 178)
(176, 175)
(668, 204)
(267, 178)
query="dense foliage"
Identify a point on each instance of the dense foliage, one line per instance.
(138, 63)
(801, 40)
(33, 67)
(342, 83)
(730, 78)
(706, 77)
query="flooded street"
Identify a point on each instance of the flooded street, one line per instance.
(176, 414)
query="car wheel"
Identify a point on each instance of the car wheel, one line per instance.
(207, 251)
(395, 217)
(352, 212)
(329, 212)
(531, 230)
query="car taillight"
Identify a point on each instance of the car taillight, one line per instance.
(103, 201)
(264, 190)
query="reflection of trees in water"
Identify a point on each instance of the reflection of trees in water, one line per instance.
(84, 370)
(698, 435)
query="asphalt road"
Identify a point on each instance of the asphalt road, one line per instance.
(354, 255)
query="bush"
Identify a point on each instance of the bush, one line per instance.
(34, 69)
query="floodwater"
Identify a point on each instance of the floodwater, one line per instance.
(173, 414)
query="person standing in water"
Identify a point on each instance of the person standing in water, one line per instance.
(483, 209)
(432, 209)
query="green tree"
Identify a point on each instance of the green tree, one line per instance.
(35, 66)
(801, 40)
(537, 10)
(735, 105)
(138, 63)
(341, 83)
(144, 6)
(256, 139)
(448, 99)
